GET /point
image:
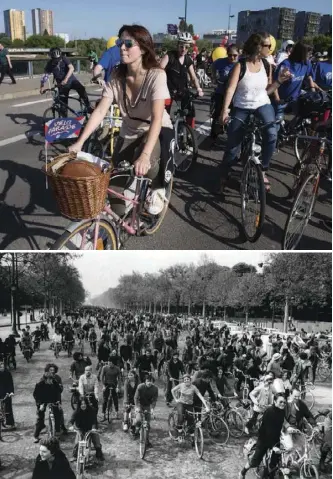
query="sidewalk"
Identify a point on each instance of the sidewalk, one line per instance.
(30, 86)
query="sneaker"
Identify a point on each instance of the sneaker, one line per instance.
(246, 430)
(125, 427)
(155, 201)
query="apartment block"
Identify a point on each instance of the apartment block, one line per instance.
(307, 24)
(15, 24)
(42, 20)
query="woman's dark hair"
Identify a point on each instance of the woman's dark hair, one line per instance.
(279, 395)
(49, 366)
(82, 399)
(51, 444)
(252, 45)
(232, 47)
(299, 53)
(77, 355)
(303, 355)
(145, 41)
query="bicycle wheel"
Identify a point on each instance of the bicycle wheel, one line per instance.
(49, 114)
(143, 442)
(308, 470)
(323, 372)
(301, 144)
(154, 222)
(109, 406)
(217, 429)
(172, 422)
(85, 234)
(187, 152)
(300, 212)
(308, 398)
(51, 426)
(198, 441)
(109, 145)
(253, 201)
(94, 147)
(235, 423)
(74, 401)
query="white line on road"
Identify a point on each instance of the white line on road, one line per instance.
(37, 101)
(17, 138)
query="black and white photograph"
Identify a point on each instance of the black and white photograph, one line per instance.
(165, 364)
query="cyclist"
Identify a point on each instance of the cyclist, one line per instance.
(174, 371)
(188, 357)
(273, 422)
(322, 72)
(296, 411)
(69, 338)
(51, 462)
(93, 339)
(26, 342)
(275, 365)
(300, 370)
(140, 89)
(62, 70)
(93, 58)
(7, 387)
(130, 386)
(108, 61)
(78, 366)
(204, 386)
(145, 399)
(249, 88)
(57, 341)
(84, 419)
(47, 391)
(88, 386)
(53, 370)
(126, 353)
(221, 69)
(37, 335)
(178, 66)
(109, 377)
(286, 49)
(185, 400)
(145, 363)
(262, 397)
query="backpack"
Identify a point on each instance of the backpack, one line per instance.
(242, 63)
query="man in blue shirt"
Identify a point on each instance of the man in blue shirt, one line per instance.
(108, 61)
(322, 72)
(62, 70)
(221, 69)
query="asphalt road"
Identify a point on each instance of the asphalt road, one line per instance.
(198, 218)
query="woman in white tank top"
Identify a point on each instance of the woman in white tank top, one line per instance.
(249, 91)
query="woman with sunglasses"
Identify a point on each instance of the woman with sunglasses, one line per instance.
(221, 69)
(249, 88)
(183, 395)
(139, 87)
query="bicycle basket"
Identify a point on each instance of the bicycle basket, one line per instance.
(79, 197)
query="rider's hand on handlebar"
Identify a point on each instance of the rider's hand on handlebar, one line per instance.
(200, 92)
(76, 148)
(41, 91)
(224, 118)
(142, 165)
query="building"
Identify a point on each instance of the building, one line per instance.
(64, 36)
(160, 38)
(217, 35)
(42, 20)
(15, 24)
(325, 27)
(306, 24)
(279, 22)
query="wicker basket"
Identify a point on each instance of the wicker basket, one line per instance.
(78, 198)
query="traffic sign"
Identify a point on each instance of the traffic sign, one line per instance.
(172, 29)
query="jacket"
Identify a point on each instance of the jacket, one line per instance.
(84, 420)
(47, 393)
(6, 383)
(302, 411)
(60, 468)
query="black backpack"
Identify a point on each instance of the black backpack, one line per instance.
(242, 63)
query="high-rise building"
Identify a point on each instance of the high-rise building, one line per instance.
(306, 24)
(279, 22)
(14, 24)
(325, 27)
(42, 20)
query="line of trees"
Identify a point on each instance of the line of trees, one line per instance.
(284, 281)
(47, 280)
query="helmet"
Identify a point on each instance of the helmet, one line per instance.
(55, 52)
(185, 37)
(286, 44)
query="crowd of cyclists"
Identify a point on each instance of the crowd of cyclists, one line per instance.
(190, 358)
(144, 83)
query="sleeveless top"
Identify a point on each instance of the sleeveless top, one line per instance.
(251, 90)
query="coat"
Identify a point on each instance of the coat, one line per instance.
(60, 468)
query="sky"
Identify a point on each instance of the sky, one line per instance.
(90, 19)
(101, 271)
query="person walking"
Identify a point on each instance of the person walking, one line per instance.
(6, 66)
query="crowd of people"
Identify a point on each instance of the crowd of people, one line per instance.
(194, 359)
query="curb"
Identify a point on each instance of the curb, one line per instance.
(26, 93)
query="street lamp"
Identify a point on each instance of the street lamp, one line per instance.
(229, 17)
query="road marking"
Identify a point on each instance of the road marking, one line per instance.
(17, 138)
(204, 128)
(37, 101)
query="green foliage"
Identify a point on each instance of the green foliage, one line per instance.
(320, 42)
(17, 43)
(6, 41)
(46, 33)
(43, 41)
(170, 44)
(204, 44)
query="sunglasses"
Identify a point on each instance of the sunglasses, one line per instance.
(267, 46)
(128, 43)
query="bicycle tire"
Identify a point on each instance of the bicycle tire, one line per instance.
(217, 430)
(173, 433)
(199, 441)
(157, 220)
(79, 468)
(109, 410)
(94, 147)
(235, 422)
(323, 373)
(49, 114)
(190, 160)
(143, 442)
(311, 179)
(106, 242)
(74, 401)
(259, 196)
(308, 470)
(300, 144)
(308, 398)
(51, 427)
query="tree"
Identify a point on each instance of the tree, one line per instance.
(169, 44)
(190, 29)
(204, 44)
(242, 268)
(46, 33)
(4, 40)
(247, 291)
(320, 43)
(17, 43)
(220, 287)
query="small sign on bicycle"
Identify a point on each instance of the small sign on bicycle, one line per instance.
(63, 128)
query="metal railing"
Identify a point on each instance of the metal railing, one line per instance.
(33, 67)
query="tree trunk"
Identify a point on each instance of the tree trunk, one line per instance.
(273, 315)
(224, 313)
(286, 314)
(161, 307)
(169, 301)
(189, 307)
(246, 316)
(155, 304)
(149, 311)
(204, 309)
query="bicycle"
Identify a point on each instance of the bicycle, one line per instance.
(108, 231)
(114, 122)
(314, 164)
(232, 416)
(57, 349)
(2, 415)
(245, 388)
(252, 187)
(216, 428)
(267, 469)
(109, 403)
(69, 345)
(51, 418)
(75, 398)
(27, 354)
(186, 146)
(83, 452)
(186, 431)
(295, 460)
